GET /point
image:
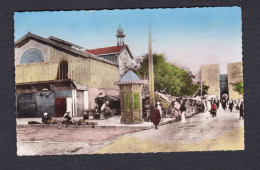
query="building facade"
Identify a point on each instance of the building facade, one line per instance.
(210, 77)
(55, 76)
(235, 75)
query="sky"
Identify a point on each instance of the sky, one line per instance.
(188, 37)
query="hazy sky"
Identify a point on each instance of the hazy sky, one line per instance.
(186, 36)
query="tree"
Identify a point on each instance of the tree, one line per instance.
(239, 87)
(168, 78)
(205, 89)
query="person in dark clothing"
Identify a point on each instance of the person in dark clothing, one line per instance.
(156, 117)
(241, 109)
(46, 119)
(85, 116)
(231, 104)
(100, 101)
(217, 103)
(183, 106)
(96, 113)
(224, 104)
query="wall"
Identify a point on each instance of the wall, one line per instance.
(26, 105)
(124, 61)
(102, 75)
(45, 103)
(210, 77)
(235, 75)
(36, 72)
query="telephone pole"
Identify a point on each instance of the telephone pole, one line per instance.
(151, 71)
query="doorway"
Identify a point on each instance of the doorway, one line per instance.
(60, 106)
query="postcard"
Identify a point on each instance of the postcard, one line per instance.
(129, 81)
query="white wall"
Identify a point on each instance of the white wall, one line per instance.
(86, 100)
(124, 60)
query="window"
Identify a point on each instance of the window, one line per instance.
(127, 102)
(32, 55)
(63, 70)
(136, 101)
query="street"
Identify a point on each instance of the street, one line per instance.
(201, 132)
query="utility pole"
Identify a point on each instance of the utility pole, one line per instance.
(151, 72)
(200, 83)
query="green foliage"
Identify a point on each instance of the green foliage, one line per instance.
(204, 89)
(168, 77)
(239, 87)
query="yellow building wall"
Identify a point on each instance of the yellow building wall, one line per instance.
(210, 77)
(235, 75)
(102, 75)
(36, 72)
(86, 71)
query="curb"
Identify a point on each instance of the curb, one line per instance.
(64, 126)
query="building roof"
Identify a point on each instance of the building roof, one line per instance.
(130, 78)
(64, 42)
(61, 46)
(106, 50)
(110, 50)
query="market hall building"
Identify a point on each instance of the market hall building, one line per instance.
(55, 76)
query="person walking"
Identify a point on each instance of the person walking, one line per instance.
(176, 110)
(224, 104)
(160, 108)
(213, 110)
(156, 117)
(231, 104)
(241, 109)
(217, 103)
(183, 111)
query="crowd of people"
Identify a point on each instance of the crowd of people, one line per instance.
(181, 108)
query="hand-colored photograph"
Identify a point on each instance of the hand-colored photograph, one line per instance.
(129, 81)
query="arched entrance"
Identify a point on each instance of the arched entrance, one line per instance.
(62, 71)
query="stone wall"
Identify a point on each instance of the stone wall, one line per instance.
(210, 77)
(235, 75)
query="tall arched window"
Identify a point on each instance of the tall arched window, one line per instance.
(32, 55)
(63, 70)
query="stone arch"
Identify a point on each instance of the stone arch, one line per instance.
(32, 55)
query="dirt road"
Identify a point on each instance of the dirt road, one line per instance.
(50, 140)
